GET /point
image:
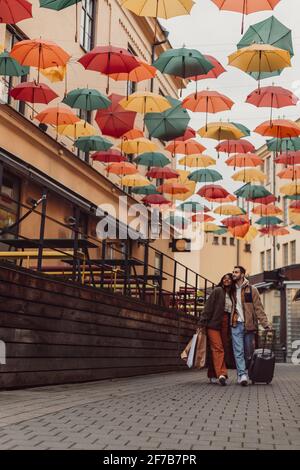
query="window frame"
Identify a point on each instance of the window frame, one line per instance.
(83, 31)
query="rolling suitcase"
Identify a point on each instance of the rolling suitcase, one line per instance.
(262, 366)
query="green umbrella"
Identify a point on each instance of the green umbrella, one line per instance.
(296, 227)
(177, 221)
(10, 67)
(191, 206)
(270, 31)
(284, 145)
(183, 63)
(242, 128)
(222, 231)
(87, 99)
(269, 220)
(152, 159)
(93, 143)
(252, 192)
(170, 124)
(205, 176)
(145, 190)
(295, 197)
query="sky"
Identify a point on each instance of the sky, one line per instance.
(216, 33)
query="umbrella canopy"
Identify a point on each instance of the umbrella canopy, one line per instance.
(266, 210)
(13, 11)
(284, 145)
(213, 192)
(229, 209)
(57, 5)
(188, 134)
(290, 158)
(39, 53)
(268, 220)
(265, 200)
(182, 63)
(279, 128)
(245, 130)
(55, 74)
(235, 146)
(143, 72)
(133, 134)
(137, 146)
(295, 205)
(57, 116)
(292, 189)
(109, 156)
(250, 235)
(33, 92)
(162, 173)
(108, 60)
(155, 200)
(252, 192)
(235, 221)
(187, 147)
(192, 207)
(202, 218)
(205, 176)
(76, 130)
(215, 72)
(220, 131)
(274, 231)
(242, 160)
(223, 200)
(152, 159)
(93, 143)
(169, 124)
(183, 179)
(122, 169)
(145, 102)
(145, 190)
(207, 102)
(296, 227)
(270, 31)
(291, 173)
(197, 161)
(240, 231)
(134, 181)
(115, 121)
(212, 228)
(159, 8)
(10, 67)
(173, 188)
(87, 99)
(250, 175)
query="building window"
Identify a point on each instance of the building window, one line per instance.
(285, 248)
(262, 261)
(9, 203)
(268, 169)
(157, 264)
(293, 252)
(232, 242)
(269, 260)
(131, 86)
(224, 241)
(248, 248)
(216, 241)
(87, 24)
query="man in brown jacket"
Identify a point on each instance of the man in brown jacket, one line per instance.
(249, 313)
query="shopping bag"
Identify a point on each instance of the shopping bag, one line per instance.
(200, 350)
(190, 360)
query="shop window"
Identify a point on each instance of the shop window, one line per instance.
(9, 203)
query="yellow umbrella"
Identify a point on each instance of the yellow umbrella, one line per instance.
(221, 131)
(1, 48)
(209, 227)
(145, 102)
(159, 8)
(78, 129)
(183, 179)
(197, 161)
(292, 189)
(251, 234)
(260, 58)
(228, 209)
(250, 175)
(134, 181)
(140, 145)
(55, 74)
(294, 218)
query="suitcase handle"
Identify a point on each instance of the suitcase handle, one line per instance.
(266, 333)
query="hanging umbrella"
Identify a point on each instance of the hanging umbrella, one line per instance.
(143, 72)
(115, 121)
(292, 189)
(197, 161)
(134, 181)
(220, 131)
(10, 67)
(133, 134)
(189, 185)
(246, 132)
(109, 156)
(57, 116)
(265, 200)
(76, 130)
(250, 175)
(269, 31)
(13, 11)
(188, 147)
(177, 221)
(272, 97)
(122, 169)
(274, 231)
(155, 200)
(250, 235)
(266, 210)
(162, 173)
(145, 190)
(240, 231)
(205, 176)
(207, 102)
(268, 220)
(137, 146)
(213, 192)
(169, 124)
(55, 74)
(212, 228)
(228, 209)
(252, 192)
(235, 146)
(284, 145)
(188, 134)
(215, 72)
(59, 5)
(86, 99)
(246, 7)
(260, 58)
(173, 188)
(93, 143)
(280, 128)
(145, 102)
(242, 160)
(192, 207)
(159, 8)
(235, 221)
(202, 218)
(291, 173)
(182, 63)
(223, 200)
(295, 205)
(149, 159)
(290, 158)
(39, 53)
(33, 92)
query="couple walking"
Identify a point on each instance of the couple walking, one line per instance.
(234, 308)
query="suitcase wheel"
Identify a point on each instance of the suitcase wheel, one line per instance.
(253, 383)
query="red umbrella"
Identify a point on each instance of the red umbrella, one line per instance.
(264, 200)
(33, 93)
(109, 60)
(110, 156)
(202, 218)
(162, 173)
(12, 11)
(115, 120)
(213, 191)
(272, 97)
(290, 158)
(155, 200)
(189, 134)
(295, 205)
(213, 73)
(235, 221)
(235, 146)
(274, 231)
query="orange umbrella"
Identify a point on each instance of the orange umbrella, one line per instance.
(239, 231)
(188, 147)
(221, 200)
(290, 173)
(132, 134)
(242, 160)
(279, 128)
(39, 53)
(202, 218)
(274, 231)
(57, 116)
(143, 72)
(122, 168)
(266, 210)
(173, 188)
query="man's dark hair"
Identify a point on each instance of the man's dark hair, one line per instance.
(241, 268)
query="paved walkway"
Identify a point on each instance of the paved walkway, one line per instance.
(177, 411)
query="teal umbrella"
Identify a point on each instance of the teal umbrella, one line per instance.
(222, 231)
(86, 99)
(183, 63)
(205, 176)
(270, 31)
(10, 67)
(170, 124)
(242, 128)
(296, 227)
(145, 190)
(269, 220)
(252, 192)
(293, 197)
(191, 206)
(284, 145)
(93, 143)
(152, 159)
